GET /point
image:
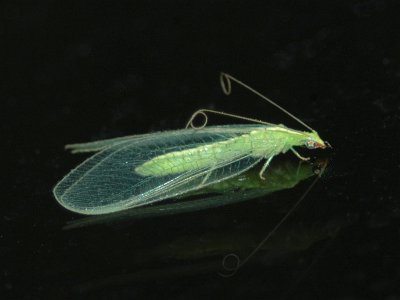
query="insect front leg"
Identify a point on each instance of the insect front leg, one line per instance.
(298, 155)
(265, 166)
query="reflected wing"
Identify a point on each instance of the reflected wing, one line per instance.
(107, 182)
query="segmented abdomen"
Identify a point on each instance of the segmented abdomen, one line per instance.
(196, 158)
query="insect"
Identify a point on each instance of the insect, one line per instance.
(137, 170)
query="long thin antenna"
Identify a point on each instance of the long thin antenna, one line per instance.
(203, 112)
(239, 263)
(225, 80)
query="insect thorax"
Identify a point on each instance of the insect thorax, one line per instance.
(274, 140)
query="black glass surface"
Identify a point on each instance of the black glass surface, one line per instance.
(89, 70)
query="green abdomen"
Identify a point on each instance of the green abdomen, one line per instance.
(204, 156)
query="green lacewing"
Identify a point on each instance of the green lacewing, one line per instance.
(137, 170)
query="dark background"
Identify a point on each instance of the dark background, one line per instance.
(86, 70)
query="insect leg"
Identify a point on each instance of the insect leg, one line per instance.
(298, 155)
(265, 166)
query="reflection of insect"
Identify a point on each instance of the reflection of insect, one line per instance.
(141, 169)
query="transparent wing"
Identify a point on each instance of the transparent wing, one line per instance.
(102, 144)
(107, 182)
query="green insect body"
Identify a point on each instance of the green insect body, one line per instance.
(280, 140)
(138, 170)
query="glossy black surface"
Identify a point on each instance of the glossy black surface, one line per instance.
(86, 71)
